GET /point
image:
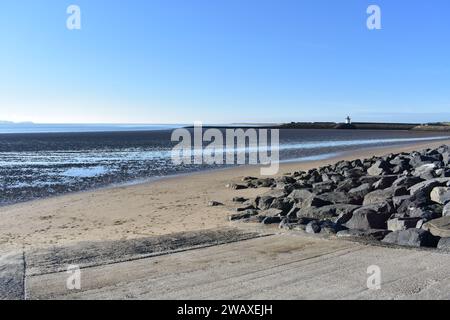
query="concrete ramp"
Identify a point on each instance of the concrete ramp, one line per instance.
(280, 266)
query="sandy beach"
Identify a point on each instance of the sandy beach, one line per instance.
(166, 206)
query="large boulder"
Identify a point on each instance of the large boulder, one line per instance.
(322, 187)
(426, 171)
(385, 182)
(339, 213)
(440, 195)
(398, 224)
(264, 202)
(412, 238)
(313, 227)
(368, 217)
(427, 186)
(406, 181)
(446, 210)
(340, 197)
(382, 195)
(361, 191)
(439, 227)
(380, 167)
(300, 195)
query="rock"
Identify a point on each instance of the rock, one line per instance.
(444, 244)
(377, 234)
(323, 187)
(283, 204)
(315, 201)
(339, 212)
(240, 199)
(276, 193)
(264, 183)
(214, 204)
(398, 201)
(385, 182)
(428, 185)
(439, 227)
(427, 213)
(339, 197)
(264, 202)
(380, 167)
(243, 215)
(271, 213)
(406, 181)
(234, 186)
(378, 196)
(271, 220)
(366, 218)
(440, 195)
(313, 227)
(361, 191)
(300, 195)
(419, 160)
(446, 210)
(346, 185)
(353, 173)
(399, 224)
(411, 238)
(425, 171)
(249, 207)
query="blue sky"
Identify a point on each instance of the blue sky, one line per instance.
(220, 61)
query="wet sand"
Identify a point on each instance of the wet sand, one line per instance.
(173, 204)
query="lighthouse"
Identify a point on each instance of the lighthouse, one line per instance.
(348, 120)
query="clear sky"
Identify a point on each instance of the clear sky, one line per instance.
(219, 61)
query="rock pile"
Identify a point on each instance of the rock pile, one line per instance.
(390, 198)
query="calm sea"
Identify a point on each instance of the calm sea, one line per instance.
(44, 160)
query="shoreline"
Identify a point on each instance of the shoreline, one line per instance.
(164, 206)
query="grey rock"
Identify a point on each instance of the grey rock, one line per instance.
(313, 227)
(428, 185)
(234, 186)
(300, 195)
(406, 181)
(385, 182)
(399, 224)
(271, 220)
(264, 202)
(440, 195)
(315, 201)
(322, 187)
(398, 201)
(340, 212)
(243, 215)
(379, 168)
(378, 196)
(411, 238)
(361, 191)
(425, 171)
(446, 210)
(214, 204)
(366, 218)
(271, 213)
(240, 199)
